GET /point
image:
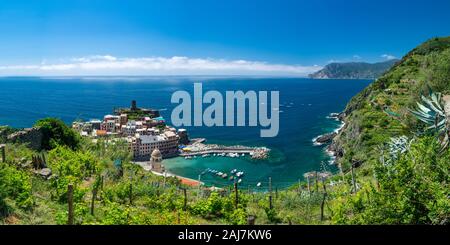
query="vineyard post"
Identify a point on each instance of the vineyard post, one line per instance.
(199, 186)
(94, 196)
(157, 188)
(101, 181)
(2, 146)
(70, 203)
(251, 219)
(164, 180)
(270, 193)
(185, 199)
(353, 179)
(131, 193)
(322, 205)
(324, 185)
(317, 181)
(309, 184)
(236, 195)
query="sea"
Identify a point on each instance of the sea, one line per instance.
(305, 106)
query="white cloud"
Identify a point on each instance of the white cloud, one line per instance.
(388, 57)
(176, 65)
(357, 57)
(333, 61)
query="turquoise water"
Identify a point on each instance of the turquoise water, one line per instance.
(305, 104)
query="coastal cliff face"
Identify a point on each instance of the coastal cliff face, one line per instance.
(380, 111)
(353, 70)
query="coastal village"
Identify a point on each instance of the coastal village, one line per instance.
(150, 140)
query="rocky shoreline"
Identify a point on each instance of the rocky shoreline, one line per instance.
(332, 149)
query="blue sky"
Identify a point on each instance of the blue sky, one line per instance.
(270, 36)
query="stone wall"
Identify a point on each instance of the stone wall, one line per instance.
(31, 136)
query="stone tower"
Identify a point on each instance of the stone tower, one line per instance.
(156, 156)
(156, 161)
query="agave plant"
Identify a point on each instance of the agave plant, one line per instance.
(431, 112)
(395, 147)
(398, 145)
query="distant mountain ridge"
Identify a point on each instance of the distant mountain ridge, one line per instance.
(354, 70)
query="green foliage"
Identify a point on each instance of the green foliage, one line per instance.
(413, 190)
(272, 215)
(237, 217)
(438, 72)
(56, 132)
(14, 184)
(70, 167)
(216, 206)
(213, 206)
(116, 214)
(432, 45)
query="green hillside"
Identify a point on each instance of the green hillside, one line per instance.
(380, 111)
(354, 70)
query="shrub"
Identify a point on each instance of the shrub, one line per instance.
(56, 132)
(14, 184)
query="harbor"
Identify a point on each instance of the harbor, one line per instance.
(207, 150)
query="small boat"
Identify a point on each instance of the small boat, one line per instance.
(224, 175)
(259, 184)
(233, 171)
(239, 180)
(239, 174)
(243, 154)
(231, 177)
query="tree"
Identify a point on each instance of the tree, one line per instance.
(56, 132)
